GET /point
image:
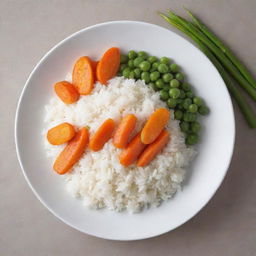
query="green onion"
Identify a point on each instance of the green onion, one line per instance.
(241, 101)
(244, 71)
(219, 54)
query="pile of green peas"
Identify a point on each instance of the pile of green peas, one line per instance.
(165, 76)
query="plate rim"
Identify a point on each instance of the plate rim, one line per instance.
(17, 147)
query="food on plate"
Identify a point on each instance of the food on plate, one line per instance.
(108, 65)
(166, 77)
(102, 135)
(66, 92)
(130, 154)
(154, 125)
(153, 149)
(94, 66)
(124, 131)
(142, 127)
(83, 75)
(72, 152)
(61, 133)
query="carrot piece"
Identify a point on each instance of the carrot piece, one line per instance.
(155, 125)
(153, 149)
(94, 66)
(61, 133)
(72, 152)
(66, 92)
(132, 151)
(108, 65)
(124, 130)
(102, 135)
(83, 75)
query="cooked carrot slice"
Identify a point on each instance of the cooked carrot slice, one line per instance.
(155, 125)
(102, 135)
(72, 152)
(66, 92)
(61, 133)
(132, 151)
(153, 149)
(108, 65)
(83, 75)
(124, 130)
(94, 66)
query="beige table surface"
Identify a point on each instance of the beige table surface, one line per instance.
(28, 29)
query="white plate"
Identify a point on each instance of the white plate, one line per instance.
(203, 178)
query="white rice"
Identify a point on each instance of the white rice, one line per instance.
(98, 179)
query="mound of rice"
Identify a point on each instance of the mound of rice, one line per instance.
(98, 179)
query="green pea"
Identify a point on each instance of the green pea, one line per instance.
(174, 68)
(132, 55)
(153, 86)
(198, 101)
(143, 54)
(137, 73)
(192, 139)
(154, 75)
(167, 77)
(164, 95)
(186, 86)
(203, 110)
(195, 127)
(182, 94)
(172, 103)
(184, 126)
(132, 75)
(137, 61)
(178, 114)
(163, 68)
(145, 66)
(166, 87)
(174, 93)
(186, 103)
(160, 83)
(180, 106)
(174, 83)
(179, 76)
(126, 72)
(190, 94)
(165, 60)
(193, 108)
(123, 66)
(145, 76)
(152, 59)
(189, 117)
(130, 64)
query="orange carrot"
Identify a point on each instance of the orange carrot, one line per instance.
(94, 66)
(153, 149)
(66, 92)
(132, 151)
(108, 65)
(124, 130)
(102, 135)
(61, 133)
(155, 125)
(72, 152)
(83, 75)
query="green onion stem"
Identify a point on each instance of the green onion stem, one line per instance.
(236, 93)
(243, 70)
(219, 54)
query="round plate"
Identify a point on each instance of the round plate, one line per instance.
(203, 177)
